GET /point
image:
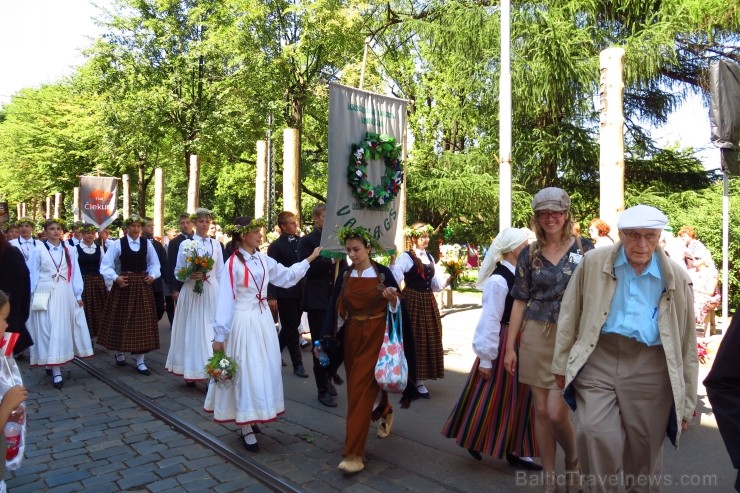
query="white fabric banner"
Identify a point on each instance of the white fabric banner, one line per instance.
(98, 200)
(352, 115)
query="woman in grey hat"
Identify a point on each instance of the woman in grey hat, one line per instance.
(543, 271)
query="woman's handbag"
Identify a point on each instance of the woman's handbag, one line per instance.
(392, 370)
(40, 301)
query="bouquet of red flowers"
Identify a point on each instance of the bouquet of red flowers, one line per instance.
(701, 348)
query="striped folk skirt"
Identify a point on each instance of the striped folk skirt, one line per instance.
(130, 322)
(94, 297)
(494, 416)
(426, 325)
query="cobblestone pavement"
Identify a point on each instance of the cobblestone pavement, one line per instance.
(88, 437)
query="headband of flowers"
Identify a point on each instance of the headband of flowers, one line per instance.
(233, 229)
(7, 226)
(25, 220)
(133, 218)
(361, 233)
(54, 220)
(88, 228)
(425, 230)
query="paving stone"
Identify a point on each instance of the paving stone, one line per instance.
(134, 478)
(66, 488)
(59, 478)
(162, 485)
(34, 487)
(171, 470)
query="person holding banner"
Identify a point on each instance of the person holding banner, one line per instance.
(244, 330)
(192, 330)
(130, 323)
(94, 294)
(58, 333)
(416, 268)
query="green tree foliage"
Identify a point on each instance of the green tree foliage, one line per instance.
(48, 137)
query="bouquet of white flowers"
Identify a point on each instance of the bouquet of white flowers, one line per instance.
(221, 369)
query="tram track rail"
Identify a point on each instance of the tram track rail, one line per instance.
(262, 474)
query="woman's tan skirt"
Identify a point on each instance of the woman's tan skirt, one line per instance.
(536, 349)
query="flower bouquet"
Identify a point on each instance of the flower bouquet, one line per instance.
(221, 369)
(196, 262)
(453, 259)
(701, 348)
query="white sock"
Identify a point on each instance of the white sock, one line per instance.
(139, 359)
(248, 434)
(56, 372)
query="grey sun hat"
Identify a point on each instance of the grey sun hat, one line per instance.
(551, 199)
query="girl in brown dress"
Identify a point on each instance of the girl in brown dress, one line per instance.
(363, 294)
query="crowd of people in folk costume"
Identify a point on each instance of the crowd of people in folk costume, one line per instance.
(568, 332)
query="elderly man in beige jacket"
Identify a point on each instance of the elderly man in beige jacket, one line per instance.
(625, 353)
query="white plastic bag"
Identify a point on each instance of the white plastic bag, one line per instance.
(10, 376)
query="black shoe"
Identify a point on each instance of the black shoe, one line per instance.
(120, 359)
(475, 454)
(522, 464)
(326, 399)
(305, 345)
(141, 368)
(337, 379)
(425, 394)
(299, 371)
(58, 384)
(20, 356)
(256, 430)
(190, 383)
(332, 389)
(252, 447)
(48, 371)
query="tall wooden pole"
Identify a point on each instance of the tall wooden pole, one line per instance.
(364, 62)
(260, 186)
(611, 136)
(291, 167)
(48, 207)
(194, 184)
(504, 130)
(159, 202)
(126, 180)
(77, 213)
(19, 210)
(58, 205)
(24, 209)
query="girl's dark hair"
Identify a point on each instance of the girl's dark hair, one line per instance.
(3, 299)
(236, 238)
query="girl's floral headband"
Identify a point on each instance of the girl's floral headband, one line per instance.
(347, 233)
(245, 228)
(133, 218)
(25, 220)
(425, 230)
(88, 228)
